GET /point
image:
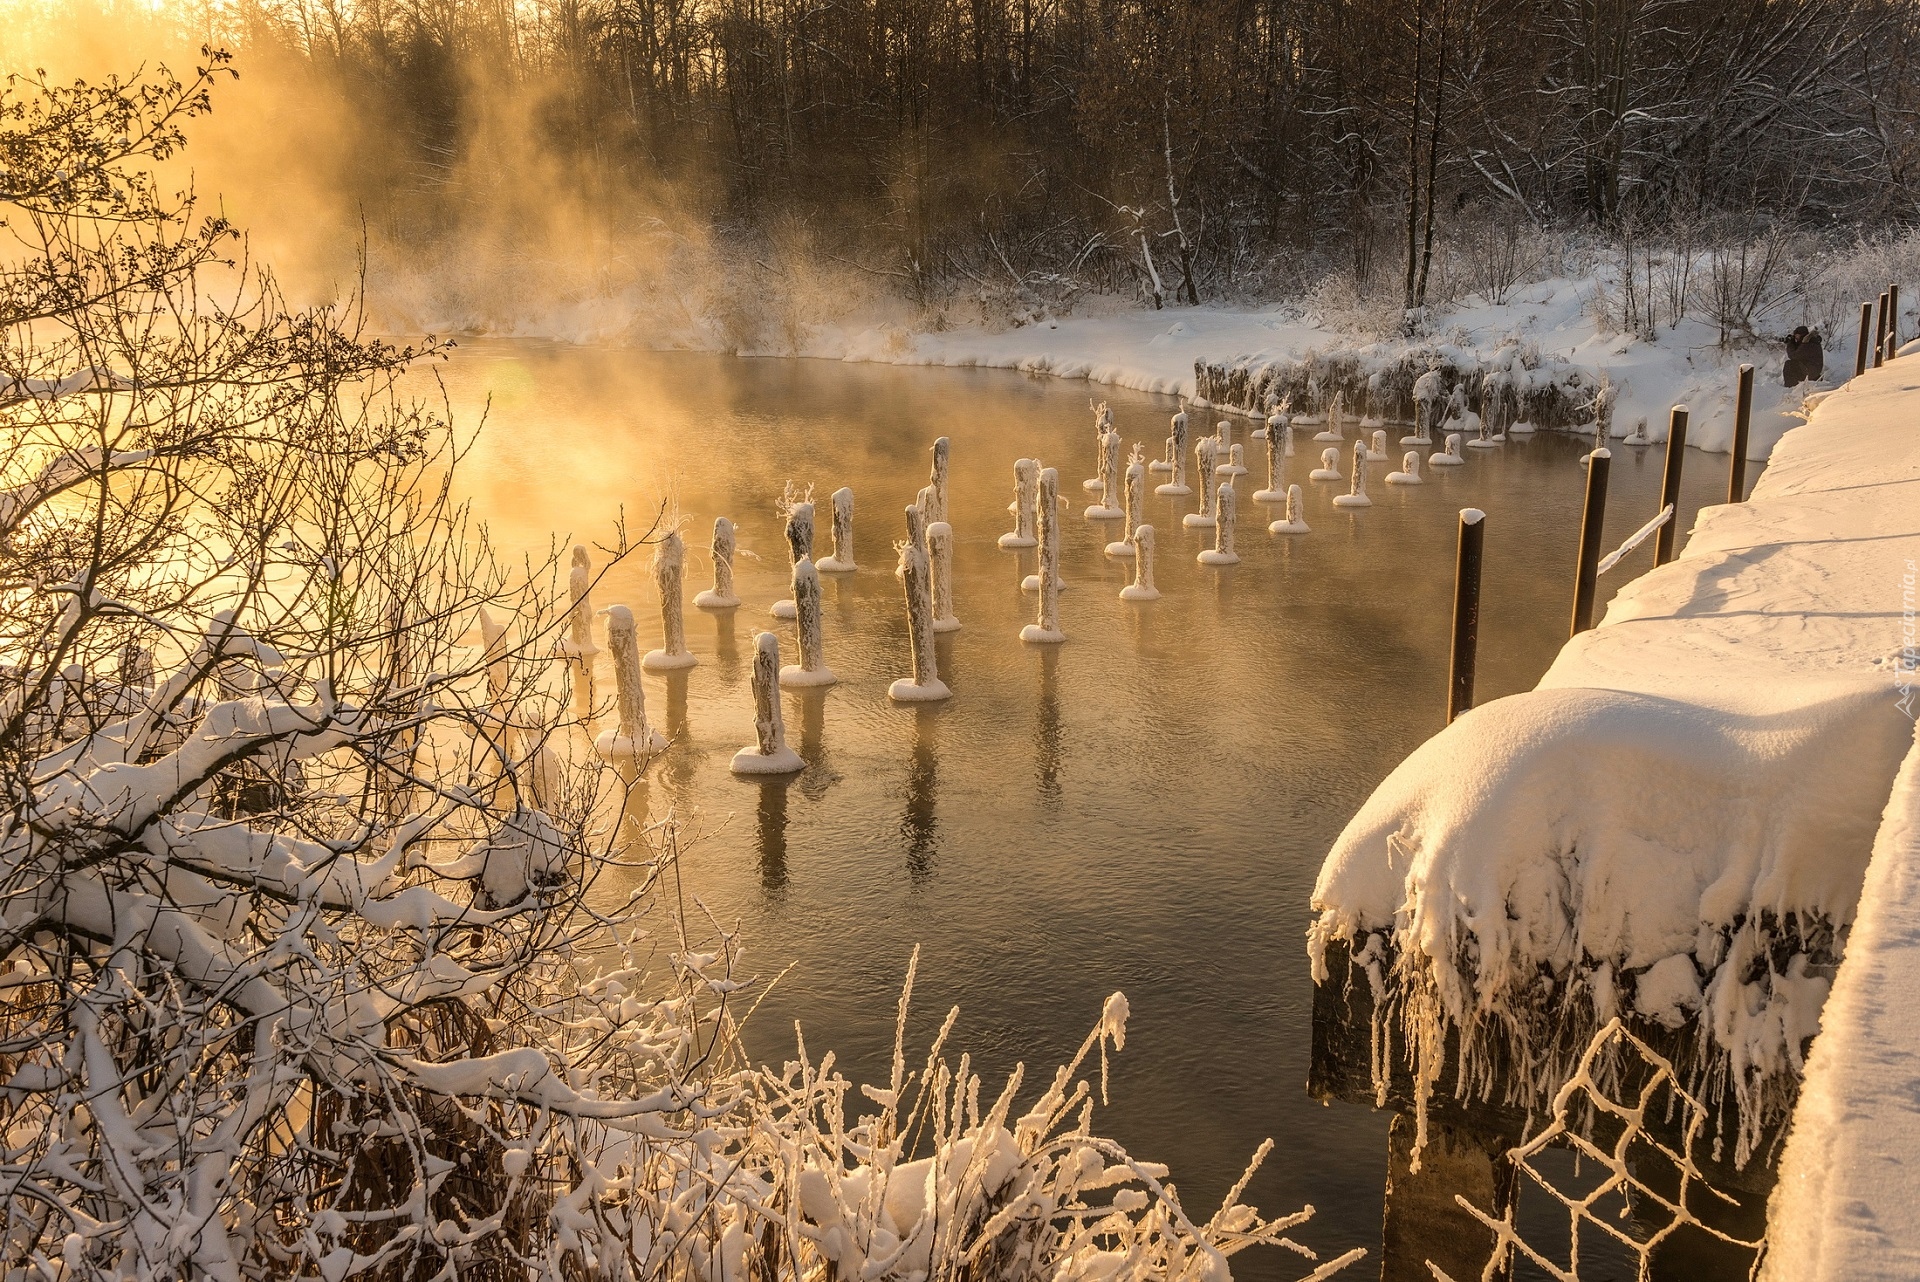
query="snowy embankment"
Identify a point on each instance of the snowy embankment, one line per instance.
(1848, 1188)
(1677, 822)
(1155, 351)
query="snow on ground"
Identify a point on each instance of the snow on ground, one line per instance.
(1843, 1211)
(1154, 351)
(1678, 820)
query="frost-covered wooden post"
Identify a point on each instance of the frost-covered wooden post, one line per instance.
(769, 754)
(1026, 485)
(1742, 426)
(1176, 428)
(632, 740)
(1204, 518)
(1356, 495)
(1860, 352)
(1593, 516)
(1466, 611)
(812, 670)
(1132, 498)
(580, 605)
(1294, 520)
(799, 545)
(1276, 490)
(1046, 627)
(1377, 451)
(925, 685)
(841, 562)
(1177, 487)
(1102, 508)
(668, 560)
(937, 480)
(940, 562)
(721, 595)
(1670, 484)
(1409, 473)
(1222, 552)
(1141, 589)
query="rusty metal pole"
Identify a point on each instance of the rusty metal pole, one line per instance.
(1742, 425)
(1592, 517)
(1466, 611)
(1670, 485)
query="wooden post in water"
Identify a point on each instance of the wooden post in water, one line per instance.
(1592, 517)
(1742, 425)
(1880, 333)
(1670, 484)
(1466, 611)
(1866, 328)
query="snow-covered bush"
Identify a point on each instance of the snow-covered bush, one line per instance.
(307, 968)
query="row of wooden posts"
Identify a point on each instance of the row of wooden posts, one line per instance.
(1473, 522)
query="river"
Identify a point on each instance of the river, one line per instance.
(1143, 808)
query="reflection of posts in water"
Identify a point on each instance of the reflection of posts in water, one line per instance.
(813, 744)
(1423, 1222)
(1046, 730)
(630, 844)
(919, 824)
(770, 834)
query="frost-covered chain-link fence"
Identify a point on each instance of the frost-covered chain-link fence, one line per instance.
(1647, 1190)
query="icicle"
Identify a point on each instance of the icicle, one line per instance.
(1222, 553)
(1026, 483)
(940, 562)
(1410, 470)
(1102, 509)
(1377, 451)
(937, 482)
(1141, 589)
(668, 559)
(1449, 457)
(632, 740)
(1133, 493)
(1177, 487)
(1204, 518)
(812, 670)
(1329, 469)
(769, 755)
(925, 685)
(1047, 627)
(1295, 521)
(1356, 495)
(799, 545)
(720, 596)
(841, 562)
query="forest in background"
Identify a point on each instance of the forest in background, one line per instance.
(1004, 159)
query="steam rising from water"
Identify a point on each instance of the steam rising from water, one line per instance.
(486, 229)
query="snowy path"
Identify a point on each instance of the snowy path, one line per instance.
(1676, 818)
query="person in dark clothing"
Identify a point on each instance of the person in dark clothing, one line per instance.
(1805, 361)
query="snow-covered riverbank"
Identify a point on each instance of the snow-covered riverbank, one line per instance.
(1155, 351)
(1677, 821)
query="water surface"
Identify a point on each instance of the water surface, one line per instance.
(1144, 808)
